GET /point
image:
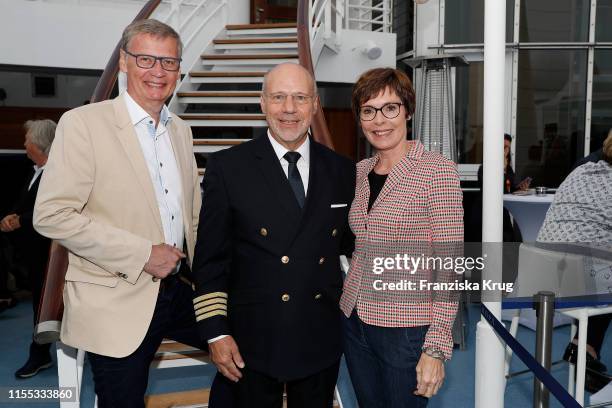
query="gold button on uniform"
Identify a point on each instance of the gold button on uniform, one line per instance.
(321, 260)
(285, 297)
(154, 279)
(263, 232)
(318, 296)
(285, 259)
(334, 232)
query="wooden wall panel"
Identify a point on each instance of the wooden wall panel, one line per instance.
(12, 119)
(343, 129)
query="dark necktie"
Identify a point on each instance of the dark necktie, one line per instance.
(295, 180)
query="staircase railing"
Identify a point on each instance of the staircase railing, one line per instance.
(327, 20)
(370, 15)
(174, 18)
(318, 127)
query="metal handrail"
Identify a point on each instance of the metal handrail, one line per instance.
(181, 25)
(318, 127)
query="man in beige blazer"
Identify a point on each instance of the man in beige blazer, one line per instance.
(121, 193)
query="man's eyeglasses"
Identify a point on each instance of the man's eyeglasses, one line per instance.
(298, 99)
(148, 61)
(389, 110)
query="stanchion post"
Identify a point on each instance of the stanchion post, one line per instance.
(544, 304)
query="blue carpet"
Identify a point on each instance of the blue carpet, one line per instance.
(458, 391)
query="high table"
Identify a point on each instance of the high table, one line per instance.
(529, 212)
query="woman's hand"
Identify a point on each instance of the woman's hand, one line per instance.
(430, 376)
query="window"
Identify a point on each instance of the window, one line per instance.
(468, 112)
(601, 109)
(403, 22)
(464, 21)
(550, 114)
(554, 20)
(603, 16)
(43, 85)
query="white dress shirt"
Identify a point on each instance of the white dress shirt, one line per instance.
(303, 164)
(163, 168)
(37, 172)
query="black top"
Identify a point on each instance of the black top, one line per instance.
(510, 185)
(596, 156)
(377, 181)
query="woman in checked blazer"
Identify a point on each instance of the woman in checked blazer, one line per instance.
(406, 200)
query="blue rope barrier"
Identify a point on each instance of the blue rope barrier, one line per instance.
(544, 376)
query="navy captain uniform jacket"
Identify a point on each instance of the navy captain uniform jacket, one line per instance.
(266, 271)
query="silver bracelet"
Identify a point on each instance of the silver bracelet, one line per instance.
(435, 353)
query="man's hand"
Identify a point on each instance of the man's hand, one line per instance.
(10, 223)
(430, 375)
(163, 260)
(225, 355)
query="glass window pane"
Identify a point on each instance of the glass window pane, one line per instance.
(468, 112)
(403, 23)
(550, 114)
(464, 21)
(603, 16)
(554, 20)
(601, 109)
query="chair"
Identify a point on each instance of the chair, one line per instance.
(562, 273)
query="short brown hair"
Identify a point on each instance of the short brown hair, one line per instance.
(152, 27)
(607, 148)
(375, 81)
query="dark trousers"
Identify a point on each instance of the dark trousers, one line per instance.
(122, 382)
(36, 264)
(382, 363)
(258, 390)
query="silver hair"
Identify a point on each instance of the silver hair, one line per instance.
(265, 78)
(152, 27)
(41, 133)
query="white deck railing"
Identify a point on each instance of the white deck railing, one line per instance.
(186, 26)
(329, 18)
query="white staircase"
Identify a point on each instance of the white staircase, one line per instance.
(219, 96)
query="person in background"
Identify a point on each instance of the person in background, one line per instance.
(17, 225)
(581, 212)
(511, 231)
(396, 350)
(510, 184)
(595, 156)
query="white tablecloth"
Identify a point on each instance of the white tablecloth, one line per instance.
(529, 212)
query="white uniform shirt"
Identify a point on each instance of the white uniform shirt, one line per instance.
(303, 164)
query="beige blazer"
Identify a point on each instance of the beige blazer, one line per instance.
(96, 199)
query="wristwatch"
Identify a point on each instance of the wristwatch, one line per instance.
(435, 353)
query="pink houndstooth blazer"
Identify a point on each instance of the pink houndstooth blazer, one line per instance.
(420, 203)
